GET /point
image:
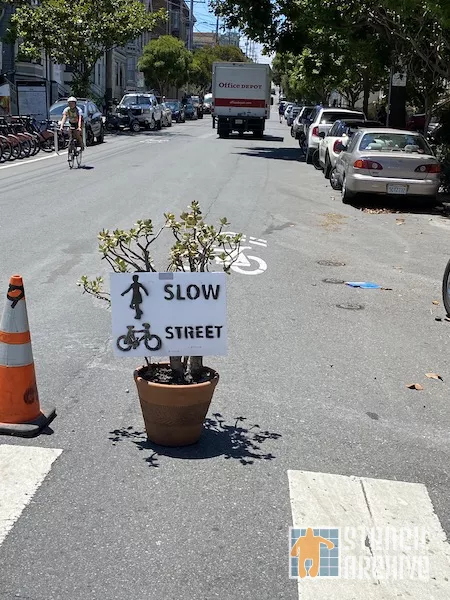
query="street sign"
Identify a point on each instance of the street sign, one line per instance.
(399, 80)
(169, 314)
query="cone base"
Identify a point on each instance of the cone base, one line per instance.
(30, 428)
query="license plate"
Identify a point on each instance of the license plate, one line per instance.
(239, 122)
(397, 189)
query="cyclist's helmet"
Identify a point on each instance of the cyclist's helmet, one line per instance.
(71, 99)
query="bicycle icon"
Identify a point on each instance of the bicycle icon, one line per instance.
(130, 341)
(243, 263)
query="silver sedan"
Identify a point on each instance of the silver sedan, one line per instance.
(385, 161)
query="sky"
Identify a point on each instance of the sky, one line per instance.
(206, 21)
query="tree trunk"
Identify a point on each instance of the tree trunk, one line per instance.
(176, 364)
(196, 365)
(81, 83)
(366, 92)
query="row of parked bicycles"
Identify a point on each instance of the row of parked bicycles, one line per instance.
(22, 137)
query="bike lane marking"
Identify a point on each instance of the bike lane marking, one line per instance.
(22, 471)
(32, 160)
(243, 262)
(375, 510)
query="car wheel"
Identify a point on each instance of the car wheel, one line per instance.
(101, 137)
(334, 180)
(292, 132)
(347, 195)
(316, 161)
(327, 169)
(152, 124)
(135, 126)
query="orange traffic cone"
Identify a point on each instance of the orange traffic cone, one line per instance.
(20, 412)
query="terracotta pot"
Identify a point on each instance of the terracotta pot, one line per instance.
(174, 414)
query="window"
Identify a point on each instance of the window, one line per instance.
(394, 142)
(354, 142)
(334, 131)
(329, 117)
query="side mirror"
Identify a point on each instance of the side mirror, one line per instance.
(322, 135)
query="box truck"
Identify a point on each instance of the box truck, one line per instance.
(241, 97)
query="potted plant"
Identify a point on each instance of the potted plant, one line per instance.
(175, 396)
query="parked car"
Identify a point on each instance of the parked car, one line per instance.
(144, 107)
(166, 115)
(301, 122)
(177, 109)
(197, 104)
(322, 121)
(295, 111)
(190, 112)
(207, 103)
(92, 118)
(288, 110)
(340, 133)
(386, 161)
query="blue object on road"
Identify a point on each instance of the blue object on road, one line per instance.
(363, 284)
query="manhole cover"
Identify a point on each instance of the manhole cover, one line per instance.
(330, 263)
(351, 306)
(331, 280)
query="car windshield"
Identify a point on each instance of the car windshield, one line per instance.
(57, 110)
(173, 105)
(330, 117)
(394, 142)
(132, 100)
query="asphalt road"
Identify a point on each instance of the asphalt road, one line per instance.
(321, 388)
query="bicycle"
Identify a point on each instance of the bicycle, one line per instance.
(74, 153)
(130, 341)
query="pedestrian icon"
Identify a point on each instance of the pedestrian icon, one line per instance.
(307, 548)
(136, 299)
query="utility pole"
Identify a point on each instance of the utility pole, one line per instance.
(217, 31)
(191, 26)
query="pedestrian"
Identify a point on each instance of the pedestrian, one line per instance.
(382, 114)
(281, 111)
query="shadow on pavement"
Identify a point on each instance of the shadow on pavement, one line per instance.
(232, 441)
(383, 205)
(293, 154)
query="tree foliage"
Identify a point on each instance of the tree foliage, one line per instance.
(77, 33)
(165, 62)
(412, 33)
(204, 58)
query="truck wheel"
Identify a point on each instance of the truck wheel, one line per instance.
(258, 133)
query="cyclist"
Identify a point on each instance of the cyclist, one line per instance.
(74, 115)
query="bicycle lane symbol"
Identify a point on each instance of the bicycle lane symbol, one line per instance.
(244, 263)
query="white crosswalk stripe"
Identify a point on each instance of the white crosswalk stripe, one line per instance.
(22, 470)
(373, 510)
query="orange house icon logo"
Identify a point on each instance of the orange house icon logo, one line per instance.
(313, 553)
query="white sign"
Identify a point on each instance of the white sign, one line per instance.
(33, 101)
(169, 314)
(399, 80)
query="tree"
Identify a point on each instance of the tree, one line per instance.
(77, 33)
(165, 62)
(204, 58)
